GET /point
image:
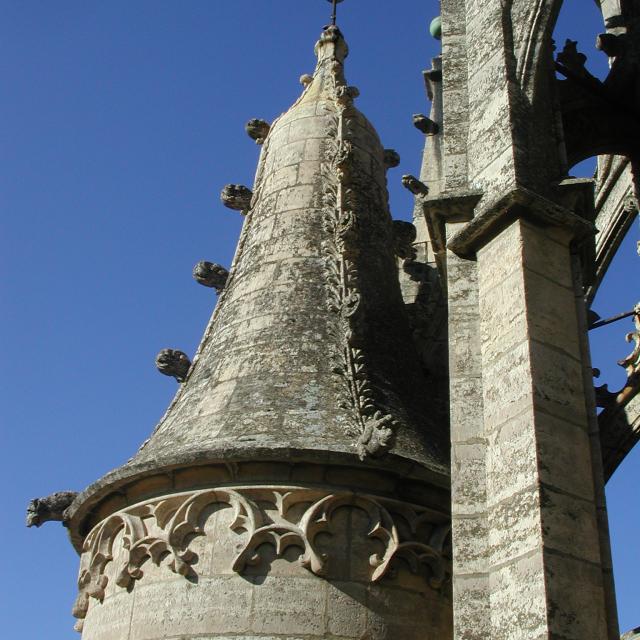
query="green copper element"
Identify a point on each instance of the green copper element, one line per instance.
(435, 28)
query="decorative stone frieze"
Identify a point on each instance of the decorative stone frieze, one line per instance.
(162, 531)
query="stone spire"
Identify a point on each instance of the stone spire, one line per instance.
(308, 349)
(306, 374)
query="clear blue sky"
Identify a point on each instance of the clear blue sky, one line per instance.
(120, 122)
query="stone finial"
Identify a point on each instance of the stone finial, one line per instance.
(257, 129)
(51, 508)
(391, 158)
(415, 186)
(306, 79)
(236, 197)
(172, 362)
(404, 235)
(435, 28)
(424, 124)
(210, 274)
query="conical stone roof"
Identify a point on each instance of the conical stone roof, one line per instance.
(308, 353)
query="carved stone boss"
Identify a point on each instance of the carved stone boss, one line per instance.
(162, 529)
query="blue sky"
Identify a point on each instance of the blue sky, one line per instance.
(120, 122)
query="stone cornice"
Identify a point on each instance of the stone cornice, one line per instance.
(518, 203)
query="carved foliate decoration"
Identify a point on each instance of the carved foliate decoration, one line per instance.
(610, 400)
(210, 274)
(174, 363)
(51, 508)
(161, 532)
(374, 426)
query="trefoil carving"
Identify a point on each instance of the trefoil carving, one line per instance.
(161, 531)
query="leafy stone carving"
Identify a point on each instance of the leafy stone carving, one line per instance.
(236, 197)
(51, 508)
(341, 189)
(257, 129)
(161, 531)
(610, 400)
(210, 274)
(174, 363)
(631, 363)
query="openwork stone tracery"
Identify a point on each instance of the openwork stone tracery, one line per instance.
(162, 531)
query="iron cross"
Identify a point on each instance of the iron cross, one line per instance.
(335, 7)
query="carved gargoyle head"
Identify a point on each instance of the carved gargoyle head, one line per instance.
(404, 234)
(424, 124)
(211, 275)
(174, 363)
(51, 508)
(414, 185)
(237, 197)
(391, 158)
(257, 129)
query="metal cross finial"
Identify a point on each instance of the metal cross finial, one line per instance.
(335, 8)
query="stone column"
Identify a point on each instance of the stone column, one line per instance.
(468, 453)
(544, 565)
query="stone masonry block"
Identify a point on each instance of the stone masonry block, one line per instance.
(468, 478)
(514, 525)
(180, 608)
(289, 606)
(518, 600)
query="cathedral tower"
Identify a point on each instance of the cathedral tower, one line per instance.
(297, 484)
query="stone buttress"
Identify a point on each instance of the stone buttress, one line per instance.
(297, 486)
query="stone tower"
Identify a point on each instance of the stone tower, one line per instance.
(297, 484)
(390, 431)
